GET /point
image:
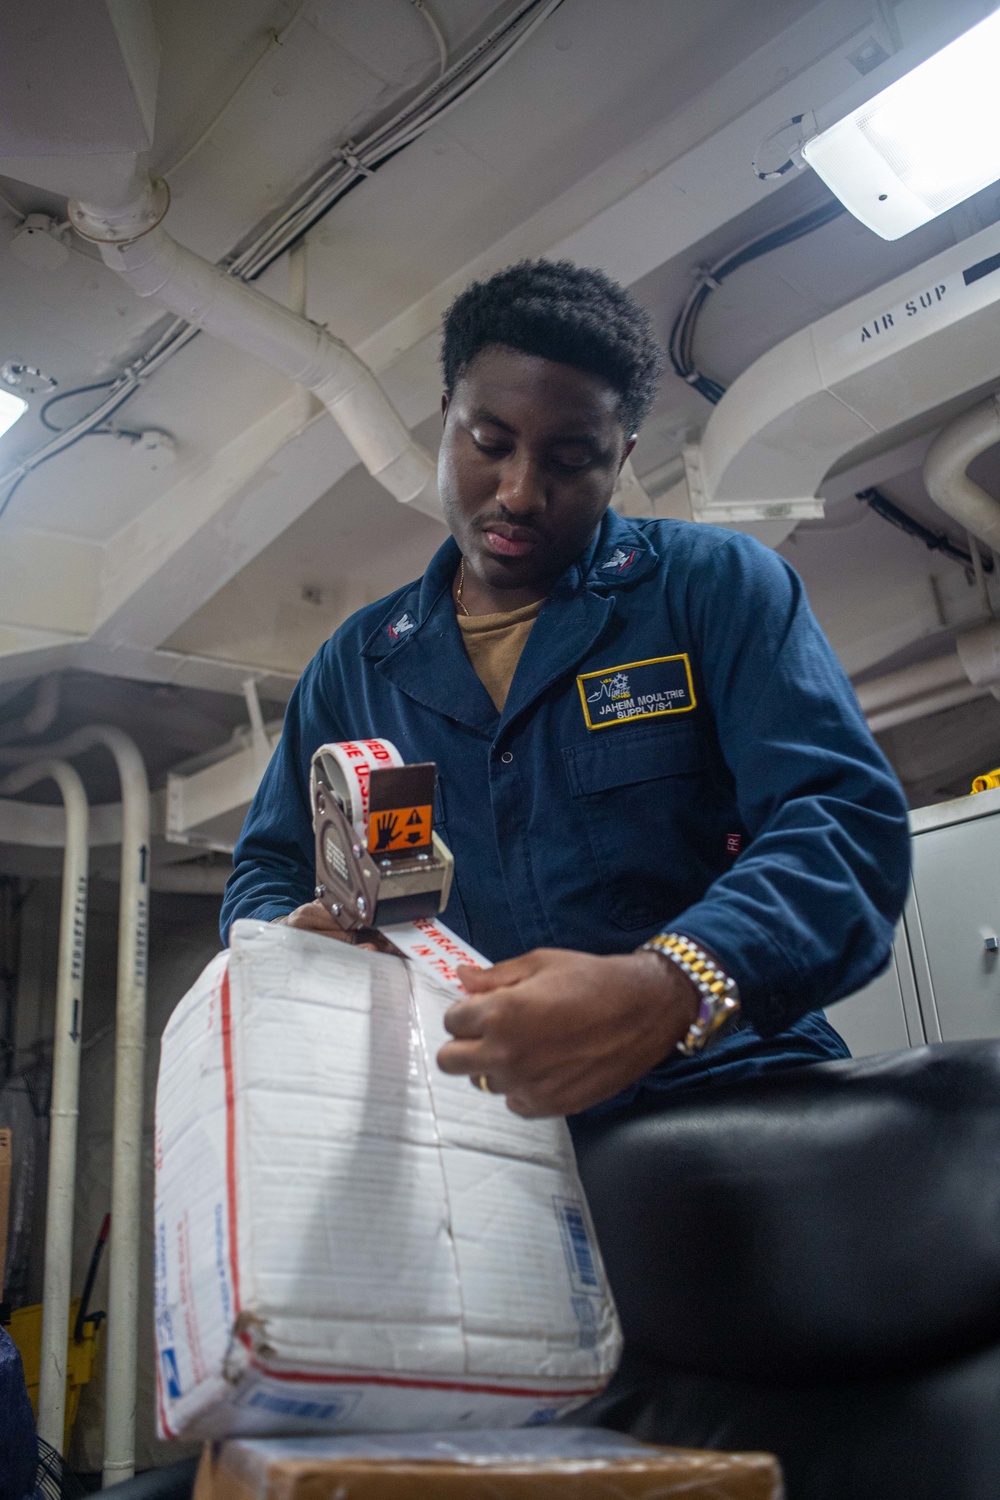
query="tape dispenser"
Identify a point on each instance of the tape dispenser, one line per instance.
(378, 859)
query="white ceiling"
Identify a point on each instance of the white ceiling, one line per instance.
(619, 134)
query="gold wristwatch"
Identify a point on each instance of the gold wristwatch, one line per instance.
(718, 994)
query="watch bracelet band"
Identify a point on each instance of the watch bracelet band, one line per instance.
(718, 994)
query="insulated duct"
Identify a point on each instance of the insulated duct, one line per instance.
(154, 265)
(947, 483)
(971, 671)
(852, 384)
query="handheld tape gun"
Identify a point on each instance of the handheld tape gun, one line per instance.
(378, 860)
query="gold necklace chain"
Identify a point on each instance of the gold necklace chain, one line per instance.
(461, 585)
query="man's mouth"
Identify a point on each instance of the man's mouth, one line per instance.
(510, 541)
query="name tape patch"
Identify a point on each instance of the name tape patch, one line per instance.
(637, 690)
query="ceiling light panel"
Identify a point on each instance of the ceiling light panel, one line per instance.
(11, 407)
(924, 144)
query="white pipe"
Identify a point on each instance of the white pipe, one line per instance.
(947, 483)
(130, 1042)
(40, 716)
(259, 742)
(910, 682)
(156, 266)
(979, 653)
(930, 703)
(64, 1109)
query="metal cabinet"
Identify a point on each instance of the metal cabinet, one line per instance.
(953, 921)
(944, 981)
(884, 1016)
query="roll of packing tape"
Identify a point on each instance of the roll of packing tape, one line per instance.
(347, 767)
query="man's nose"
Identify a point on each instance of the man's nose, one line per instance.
(521, 489)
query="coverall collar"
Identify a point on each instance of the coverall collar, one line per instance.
(418, 646)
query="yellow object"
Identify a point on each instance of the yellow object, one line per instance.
(987, 781)
(81, 1358)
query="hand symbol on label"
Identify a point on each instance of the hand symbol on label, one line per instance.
(386, 827)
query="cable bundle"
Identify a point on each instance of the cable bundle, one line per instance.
(681, 344)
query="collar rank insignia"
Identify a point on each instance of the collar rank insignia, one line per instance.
(619, 561)
(402, 626)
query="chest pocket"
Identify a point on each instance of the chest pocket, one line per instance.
(638, 795)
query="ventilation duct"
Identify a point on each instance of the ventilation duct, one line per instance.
(852, 385)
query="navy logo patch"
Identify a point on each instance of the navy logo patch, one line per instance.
(402, 626)
(637, 690)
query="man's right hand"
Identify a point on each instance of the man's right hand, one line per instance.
(314, 917)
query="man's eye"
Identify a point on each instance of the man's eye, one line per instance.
(491, 450)
(571, 465)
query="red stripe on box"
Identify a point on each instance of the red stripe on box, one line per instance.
(412, 1382)
(227, 1064)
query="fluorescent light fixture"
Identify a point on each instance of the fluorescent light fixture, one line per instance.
(928, 141)
(11, 407)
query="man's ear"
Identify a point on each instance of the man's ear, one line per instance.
(627, 450)
(444, 409)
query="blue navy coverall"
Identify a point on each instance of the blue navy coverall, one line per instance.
(679, 750)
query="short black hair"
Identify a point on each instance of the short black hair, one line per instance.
(570, 314)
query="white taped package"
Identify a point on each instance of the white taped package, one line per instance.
(346, 1238)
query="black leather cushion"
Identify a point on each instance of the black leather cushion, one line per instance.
(931, 1436)
(841, 1220)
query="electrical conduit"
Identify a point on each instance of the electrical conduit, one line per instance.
(64, 1108)
(130, 1043)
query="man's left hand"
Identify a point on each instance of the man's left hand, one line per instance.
(558, 1031)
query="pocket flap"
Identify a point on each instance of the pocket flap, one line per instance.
(626, 758)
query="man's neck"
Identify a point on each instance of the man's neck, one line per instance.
(474, 597)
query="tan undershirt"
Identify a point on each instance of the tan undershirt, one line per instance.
(493, 644)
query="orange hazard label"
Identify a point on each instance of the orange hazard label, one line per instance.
(398, 828)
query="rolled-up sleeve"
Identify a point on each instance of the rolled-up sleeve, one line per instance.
(274, 859)
(807, 912)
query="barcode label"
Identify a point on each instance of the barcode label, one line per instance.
(297, 1407)
(576, 1246)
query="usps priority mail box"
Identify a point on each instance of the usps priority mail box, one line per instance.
(346, 1238)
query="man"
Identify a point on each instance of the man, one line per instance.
(642, 738)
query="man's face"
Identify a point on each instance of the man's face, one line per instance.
(528, 463)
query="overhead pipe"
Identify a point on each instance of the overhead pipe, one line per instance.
(922, 708)
(130, 1044)
(154, 265)
(40, 717)
(64, 1109)
(971, 670)
(946, 481)
(911, 682)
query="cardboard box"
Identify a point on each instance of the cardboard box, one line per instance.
(560, 1463)
(347, 1239)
